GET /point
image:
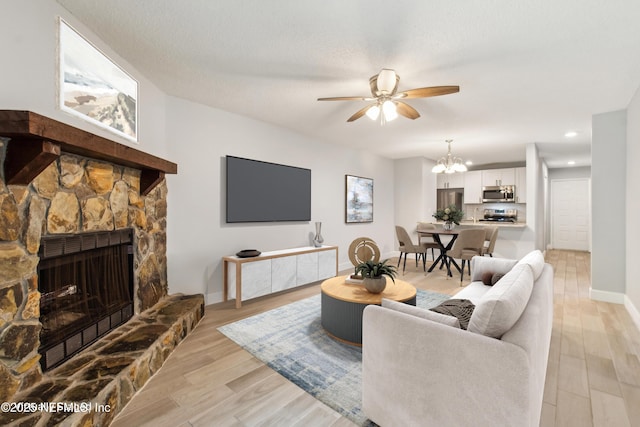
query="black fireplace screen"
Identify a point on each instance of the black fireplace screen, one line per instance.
(84, 292)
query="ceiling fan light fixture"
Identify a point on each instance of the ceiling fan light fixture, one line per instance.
(386, 81)
(389, 110)
(373, 112)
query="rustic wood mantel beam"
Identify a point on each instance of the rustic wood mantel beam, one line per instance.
(25, 155)
(27, 158)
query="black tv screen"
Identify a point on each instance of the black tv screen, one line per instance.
(264, 192)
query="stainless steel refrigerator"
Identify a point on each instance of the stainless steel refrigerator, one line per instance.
(450, 196)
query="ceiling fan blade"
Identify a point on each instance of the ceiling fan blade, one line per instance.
(425, 92)
(406, 110)
(345, 98)
(359, 113)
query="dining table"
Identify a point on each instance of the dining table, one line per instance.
(443, 259)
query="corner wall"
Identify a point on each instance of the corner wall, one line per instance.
(609, 193)
(632, 300)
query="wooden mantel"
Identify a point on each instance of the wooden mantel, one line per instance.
(37, 141)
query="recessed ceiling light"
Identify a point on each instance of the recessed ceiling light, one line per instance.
(468, 163)
(571, 162)
(570, 134)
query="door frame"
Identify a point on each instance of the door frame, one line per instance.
(552, 208)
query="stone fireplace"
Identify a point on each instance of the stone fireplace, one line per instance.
(77, 207)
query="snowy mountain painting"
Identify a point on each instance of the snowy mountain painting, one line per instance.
(94, 88)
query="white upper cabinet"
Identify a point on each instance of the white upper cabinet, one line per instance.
(492, 177)
(473, 187)
(521, 185)
(450, 180)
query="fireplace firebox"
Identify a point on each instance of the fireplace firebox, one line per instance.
(86, 286)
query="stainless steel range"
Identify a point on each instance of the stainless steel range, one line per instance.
(501, 215)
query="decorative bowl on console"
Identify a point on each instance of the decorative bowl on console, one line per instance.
(248, 253)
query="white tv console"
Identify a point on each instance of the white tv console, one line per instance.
(276, 271)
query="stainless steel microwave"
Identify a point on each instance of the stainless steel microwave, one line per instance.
(499, 194)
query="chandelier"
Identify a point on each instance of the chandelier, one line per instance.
(449, 164)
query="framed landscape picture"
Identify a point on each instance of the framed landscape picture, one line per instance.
(93, 87)
(359, 199)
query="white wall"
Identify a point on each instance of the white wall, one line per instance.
(28, 42)
(609, 194)
(415, 193)
(198, 236)
(633, 208)
(570, 173)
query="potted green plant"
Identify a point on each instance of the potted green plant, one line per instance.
(450, 215)
(373, 275)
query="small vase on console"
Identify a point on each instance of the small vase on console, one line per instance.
(318, 240)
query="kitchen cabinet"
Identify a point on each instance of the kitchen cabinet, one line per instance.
(521, 185)
(494, 177)
(450, 180)
(473, 187)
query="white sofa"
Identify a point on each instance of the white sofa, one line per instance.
(420, 369)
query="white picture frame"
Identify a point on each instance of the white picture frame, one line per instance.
(93, 87)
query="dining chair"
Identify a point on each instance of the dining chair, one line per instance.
(427, 241)
(468, 245)
(406, 246)
(491, 235)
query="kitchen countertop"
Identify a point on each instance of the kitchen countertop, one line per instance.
(466, 223)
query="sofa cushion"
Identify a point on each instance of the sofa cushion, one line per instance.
(535, 260)
(461, 309)
(419, 312)
(503, 304)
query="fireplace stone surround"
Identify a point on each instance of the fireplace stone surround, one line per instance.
(76, 194)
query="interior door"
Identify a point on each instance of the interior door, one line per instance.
(571, 214)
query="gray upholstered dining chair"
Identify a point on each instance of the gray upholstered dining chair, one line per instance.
(427, 241)
(406, 246)
(491, 235)
(468, 244)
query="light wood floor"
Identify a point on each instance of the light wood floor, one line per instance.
(593, 376)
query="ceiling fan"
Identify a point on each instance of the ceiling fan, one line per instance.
(387, 101)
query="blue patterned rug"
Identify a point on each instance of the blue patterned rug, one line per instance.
(291, 341)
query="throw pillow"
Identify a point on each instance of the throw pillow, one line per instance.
(490, 278)
(461, 309)
(495, 277)
(503, 304)
(419, 312)
(486, 278)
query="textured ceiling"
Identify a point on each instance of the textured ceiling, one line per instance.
(528, 71)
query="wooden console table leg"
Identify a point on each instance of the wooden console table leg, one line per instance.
(238, 285)
(225, 280)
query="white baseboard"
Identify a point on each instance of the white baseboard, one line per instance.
(606, 296)
(633, 311)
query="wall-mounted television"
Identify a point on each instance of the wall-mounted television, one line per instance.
(259, 191)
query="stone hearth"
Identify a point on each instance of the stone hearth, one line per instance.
(108, 373)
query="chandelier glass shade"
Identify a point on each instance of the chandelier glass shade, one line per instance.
(385, 110)
(449, 163)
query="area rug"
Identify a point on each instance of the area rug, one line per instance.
(291, 340)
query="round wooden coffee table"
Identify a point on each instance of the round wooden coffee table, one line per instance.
(343, 303)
